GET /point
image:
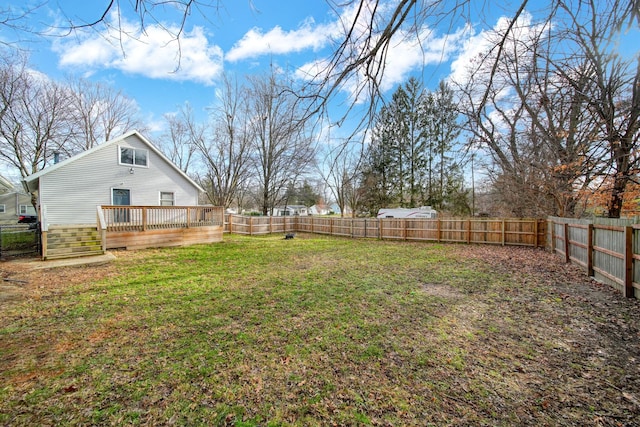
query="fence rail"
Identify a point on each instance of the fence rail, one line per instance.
(507, 231)
(143, 218)
(609, 250)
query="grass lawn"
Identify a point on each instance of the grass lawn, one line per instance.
(262, 331)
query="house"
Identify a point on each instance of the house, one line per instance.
(118, 185)
(13, 203)
(319, 209)
(290, 210)
(127, 170)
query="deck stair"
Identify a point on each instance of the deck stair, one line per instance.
(73, 241)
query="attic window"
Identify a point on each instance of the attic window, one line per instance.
(133, 156)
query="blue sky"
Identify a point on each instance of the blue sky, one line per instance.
(242, 37)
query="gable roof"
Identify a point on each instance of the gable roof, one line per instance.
(32, 180)
(5, 184)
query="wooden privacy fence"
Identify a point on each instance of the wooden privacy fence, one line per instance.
(506, 231)
(609, 250)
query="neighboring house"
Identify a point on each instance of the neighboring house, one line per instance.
(319, 209)
(290, 210)
(13, 203)
(127, 170)
(332, 209)
(336, 210)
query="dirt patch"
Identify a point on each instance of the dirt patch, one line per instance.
(440, 290)
(20, 280)
(10, 293)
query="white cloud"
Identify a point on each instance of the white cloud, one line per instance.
(256, 43)
(407, 53)
(153, 53)
(412, 53)
(478, 49)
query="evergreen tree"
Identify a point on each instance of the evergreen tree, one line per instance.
(442, 130)
(410, 161)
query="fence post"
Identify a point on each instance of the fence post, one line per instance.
(590, 250)
(535, 233)
(628, 262)
(230, 223)
(380, 228)
(438, 230)
(468, 230)
(250, 226)
(567, 258)
(553, 237)
(404, 229)
(504, 232)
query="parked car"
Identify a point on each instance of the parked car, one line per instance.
(27, 219)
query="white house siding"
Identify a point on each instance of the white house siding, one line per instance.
(71, 193)
(12, 202)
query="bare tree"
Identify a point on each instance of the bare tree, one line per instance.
(340, 171)
(14, 20)
(226, 152)
(99, 112)
(516, 109)
(179, 141)
(34, 118)
(558, 110)
(282, 146)
(614, 96)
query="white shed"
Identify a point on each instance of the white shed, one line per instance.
(425, 212)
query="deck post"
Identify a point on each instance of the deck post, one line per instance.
(144, 219)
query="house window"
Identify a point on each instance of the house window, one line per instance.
(133, 156)
(167, 199)
(2, 209)
(23, 209)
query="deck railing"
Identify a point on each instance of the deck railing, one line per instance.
(143, 218)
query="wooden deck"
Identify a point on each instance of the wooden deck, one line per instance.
(138, 227)
(134, 227)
